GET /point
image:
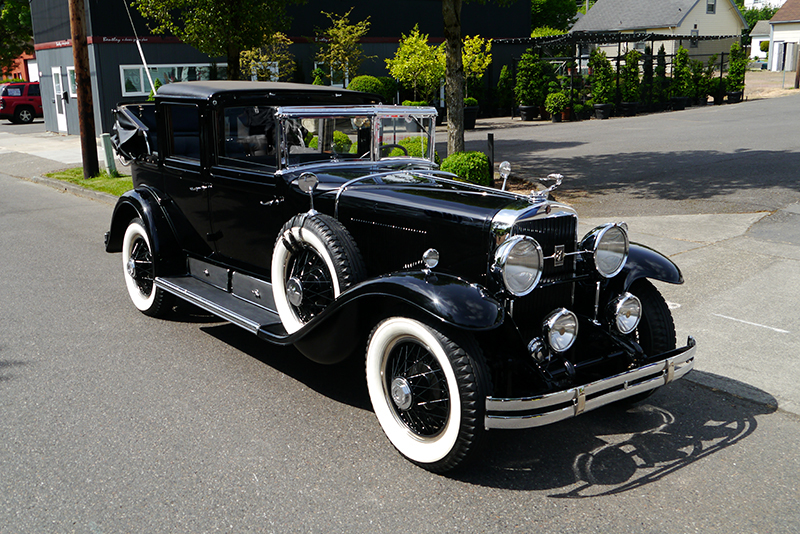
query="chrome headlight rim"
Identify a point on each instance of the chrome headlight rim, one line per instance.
(560, 318)
(620, 313)
(599, 237)
(501, 264)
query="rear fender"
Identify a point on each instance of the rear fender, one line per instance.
(144, 204)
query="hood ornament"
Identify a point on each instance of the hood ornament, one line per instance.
(535, 196)
(539, 196)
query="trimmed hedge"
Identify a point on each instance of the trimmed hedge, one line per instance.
(366, 84)
(469, 167)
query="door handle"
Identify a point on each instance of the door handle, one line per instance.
(200, 188)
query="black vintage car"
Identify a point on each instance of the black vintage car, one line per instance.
(317, 217)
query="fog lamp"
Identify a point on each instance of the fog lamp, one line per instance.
(626, 310)
(561, 329)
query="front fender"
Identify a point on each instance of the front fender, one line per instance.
(644, 262)
(335, 333)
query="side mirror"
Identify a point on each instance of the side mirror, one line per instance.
(307, 182)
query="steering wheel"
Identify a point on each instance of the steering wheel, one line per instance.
(392, 146)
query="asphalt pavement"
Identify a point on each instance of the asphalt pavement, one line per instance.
(111, 421)
(733, 227)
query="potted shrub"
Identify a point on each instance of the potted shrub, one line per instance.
(681, 80)
(555, 103)
(603, 83)
(736, 69)
(717, 88)
(469, 167)
(471, 109)
(533, 79)
(505, 92)
(630, 83)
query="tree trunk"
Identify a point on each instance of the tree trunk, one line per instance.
(234, 72)
(454, 76)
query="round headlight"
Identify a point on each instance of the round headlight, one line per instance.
(626, 310)
(609, 248)
(561, 329)
(519, 261)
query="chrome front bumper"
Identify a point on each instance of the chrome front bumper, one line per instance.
(529, 412)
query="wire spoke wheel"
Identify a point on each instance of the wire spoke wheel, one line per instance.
(422, 401)
(309, 269)
(313, 261)
(139, 270)
(428, 391)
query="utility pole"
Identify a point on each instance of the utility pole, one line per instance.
(83, 81)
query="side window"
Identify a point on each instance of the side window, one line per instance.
(184, 131)
(711, 6)
(33, 90)
(248, 137)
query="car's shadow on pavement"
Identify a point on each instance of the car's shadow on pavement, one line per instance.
(618, 448)
(611, 450)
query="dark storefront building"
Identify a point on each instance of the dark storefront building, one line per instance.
(118, 73)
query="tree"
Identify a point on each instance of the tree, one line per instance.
(557, 14)
(16, 33)
(454, 72)
(340, 47)
(418, 64)
(270, 62)
(476, 58)
(218, 27)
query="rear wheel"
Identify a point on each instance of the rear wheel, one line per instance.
(428, 392)
(138, 266)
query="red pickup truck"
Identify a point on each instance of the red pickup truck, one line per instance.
(20, 102)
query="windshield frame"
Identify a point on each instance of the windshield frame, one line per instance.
(424, 117)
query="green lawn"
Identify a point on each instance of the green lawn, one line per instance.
(105, 182)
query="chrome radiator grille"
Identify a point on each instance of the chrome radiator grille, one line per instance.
(554, 289)
(549, 233)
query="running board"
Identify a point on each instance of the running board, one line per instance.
(222, 304)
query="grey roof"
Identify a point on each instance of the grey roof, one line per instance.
(761, 28)
(620, 15)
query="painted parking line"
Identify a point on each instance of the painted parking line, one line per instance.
(752, 324)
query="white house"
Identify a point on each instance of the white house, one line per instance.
(757, 4)
(674, 18)
(784, 36)
(759, 33)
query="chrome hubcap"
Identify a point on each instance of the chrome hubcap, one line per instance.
(294, 291)
(131, 268)
(401, 393)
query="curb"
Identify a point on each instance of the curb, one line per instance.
(74, 189)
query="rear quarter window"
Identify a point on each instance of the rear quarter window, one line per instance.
(12, 90)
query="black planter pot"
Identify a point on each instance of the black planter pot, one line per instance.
(602, 111)
(556, 117)
(628, 109)
(734, 97)
(528, 113)
(678, 103)
(470, 116)
(719, 99)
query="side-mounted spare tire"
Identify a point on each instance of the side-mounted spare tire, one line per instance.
(314, 260)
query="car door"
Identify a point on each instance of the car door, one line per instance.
(184, 179)
(246, 203)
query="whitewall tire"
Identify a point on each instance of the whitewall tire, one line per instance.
(138, 267)
(428, 392)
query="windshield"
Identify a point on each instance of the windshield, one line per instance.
(311, 135)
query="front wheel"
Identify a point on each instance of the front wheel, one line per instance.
(428, 392)
(23, 115)
(138, 267)
(656, 330)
